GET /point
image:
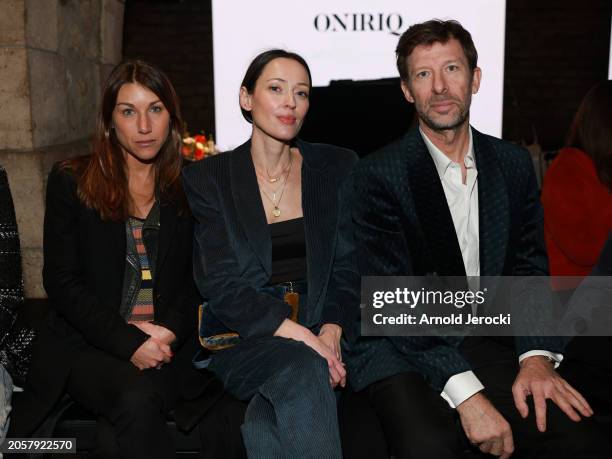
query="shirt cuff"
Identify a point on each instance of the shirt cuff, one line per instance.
(460, 387)
(553, 356)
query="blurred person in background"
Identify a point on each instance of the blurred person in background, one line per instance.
(15, 341)
(577, 190)
(577, 199)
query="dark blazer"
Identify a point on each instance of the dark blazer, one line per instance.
(404, 228)
(233, 253)
(83, 276)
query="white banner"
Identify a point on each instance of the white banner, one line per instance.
(345, 39)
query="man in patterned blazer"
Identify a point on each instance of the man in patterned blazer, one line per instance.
(448, 200)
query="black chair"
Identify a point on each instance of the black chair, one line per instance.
(76, 422)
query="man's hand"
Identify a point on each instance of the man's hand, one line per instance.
(485, 426)
(539, 379)
(151, 354)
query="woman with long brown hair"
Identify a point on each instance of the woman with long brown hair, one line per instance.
(118, 270)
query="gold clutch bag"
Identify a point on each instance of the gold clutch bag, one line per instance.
(220, 341)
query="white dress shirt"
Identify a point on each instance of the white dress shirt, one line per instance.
(462, 199)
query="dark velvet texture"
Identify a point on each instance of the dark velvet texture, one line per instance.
(404, 228)
(233, 256)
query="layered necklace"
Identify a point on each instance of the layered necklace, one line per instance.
(277, 194)
(282, 173)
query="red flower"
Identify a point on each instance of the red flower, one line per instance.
(186, 150)
(197, 147)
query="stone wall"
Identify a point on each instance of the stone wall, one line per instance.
(54, 57)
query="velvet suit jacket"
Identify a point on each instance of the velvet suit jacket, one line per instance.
(404, 228)
(233, 248)
(83, 275)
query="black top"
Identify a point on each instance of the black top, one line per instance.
(288, 251)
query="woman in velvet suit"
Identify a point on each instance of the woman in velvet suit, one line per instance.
(118, 274)
(274, 260)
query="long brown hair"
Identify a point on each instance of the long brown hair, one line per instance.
(591, 130)
(102, 177)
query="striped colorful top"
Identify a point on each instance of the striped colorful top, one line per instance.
(143, 306)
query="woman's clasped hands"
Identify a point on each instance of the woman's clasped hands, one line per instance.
(326, 344)
(155, 351)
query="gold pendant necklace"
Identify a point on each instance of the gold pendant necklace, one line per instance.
(276, 212)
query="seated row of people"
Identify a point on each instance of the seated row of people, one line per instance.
(268, 243)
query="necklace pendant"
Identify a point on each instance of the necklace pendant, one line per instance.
(273, 179)
(276, 212)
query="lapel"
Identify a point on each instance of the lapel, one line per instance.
(432, 209)
(108, 240)
(248, 205)
(167, 225)
(114, 232)
(319, 205)
(493, 208)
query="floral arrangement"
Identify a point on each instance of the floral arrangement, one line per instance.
(198, 147)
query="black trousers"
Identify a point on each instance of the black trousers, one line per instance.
(587, 365)
(133, 402)
(496, 365)
(417, 423)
